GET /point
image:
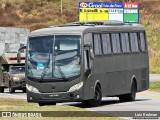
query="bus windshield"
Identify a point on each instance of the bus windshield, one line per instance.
(54, 57)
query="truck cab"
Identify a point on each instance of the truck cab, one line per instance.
(12, 74)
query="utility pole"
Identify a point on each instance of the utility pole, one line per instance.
(61, 7)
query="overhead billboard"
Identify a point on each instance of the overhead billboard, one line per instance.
(125, 12)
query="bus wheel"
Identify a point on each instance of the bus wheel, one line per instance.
(97, 98)
(11, 89)
(131, 96)
(43, 104)
(1, 89)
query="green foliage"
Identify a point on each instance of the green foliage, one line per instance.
(155, 86)
(150, 15)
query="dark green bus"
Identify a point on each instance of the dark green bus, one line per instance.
(85, 61)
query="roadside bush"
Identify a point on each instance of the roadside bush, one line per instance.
(29, 20)
(25, 8)
(1, 11)
(6, 22)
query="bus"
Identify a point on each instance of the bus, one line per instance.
(85, 61)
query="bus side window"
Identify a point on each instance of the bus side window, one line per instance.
(142, 41)
(106, 43)
(97, 44)
(134, 42)
(116, 43)
(125, 42)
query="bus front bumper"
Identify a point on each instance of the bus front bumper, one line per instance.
(57, 97)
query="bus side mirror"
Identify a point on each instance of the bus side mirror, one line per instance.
(19, 54)
(19, 57)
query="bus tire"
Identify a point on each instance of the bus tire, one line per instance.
(11, 89)
(97, 98)
(131, 96)
(43, 104)
(1, 89)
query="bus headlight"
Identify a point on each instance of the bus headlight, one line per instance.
(16, 78)
(32, 89)
(76, 87)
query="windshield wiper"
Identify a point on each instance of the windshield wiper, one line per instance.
(45, 68)
(61, 72)
(59, 69)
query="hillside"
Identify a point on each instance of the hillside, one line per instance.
(36, 14)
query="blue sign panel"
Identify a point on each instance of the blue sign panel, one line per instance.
(100, 5)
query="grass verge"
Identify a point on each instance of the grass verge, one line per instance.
(7, 104)
(155, 86)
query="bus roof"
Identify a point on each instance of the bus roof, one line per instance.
(79, 27)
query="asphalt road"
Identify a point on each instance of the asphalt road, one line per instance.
(18, 94)
(155, 77)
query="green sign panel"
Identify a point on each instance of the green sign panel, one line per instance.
(131, 15)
